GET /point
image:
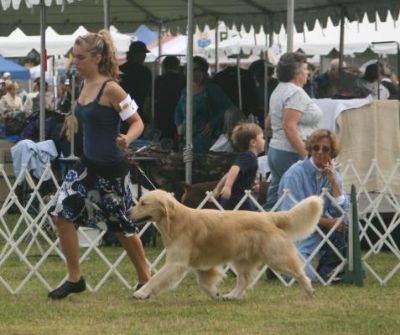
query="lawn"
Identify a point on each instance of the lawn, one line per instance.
(269, 308)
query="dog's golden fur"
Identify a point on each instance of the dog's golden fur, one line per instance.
(205, 239)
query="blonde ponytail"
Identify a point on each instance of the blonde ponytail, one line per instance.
(101, 43)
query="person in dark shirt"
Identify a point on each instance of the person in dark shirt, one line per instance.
(167, 90)
(98, 187)
(257, 73)
(326, 85)
(136, 77)
(248, 138)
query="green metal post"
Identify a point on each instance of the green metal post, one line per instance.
(354, 271)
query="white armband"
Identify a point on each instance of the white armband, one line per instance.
(128, 108)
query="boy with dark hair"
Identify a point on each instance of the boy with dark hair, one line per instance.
(248, 139)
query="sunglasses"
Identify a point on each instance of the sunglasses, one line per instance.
(322, 148)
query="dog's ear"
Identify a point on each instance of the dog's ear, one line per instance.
(168, 206)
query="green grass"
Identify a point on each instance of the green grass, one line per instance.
(269, 308)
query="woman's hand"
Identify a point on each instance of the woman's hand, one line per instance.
(329, 172)
(122, 141)
(226, 192)
(330, 222)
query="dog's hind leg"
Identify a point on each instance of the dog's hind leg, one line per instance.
(167, 277)
(246, 272)
(209, 279)
(291, 264)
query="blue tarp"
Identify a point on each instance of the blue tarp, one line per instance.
(17, 71)
(146, 35)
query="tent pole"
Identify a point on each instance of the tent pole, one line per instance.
(290, 25)
(188, 152)
(341, 41)
(73, 104)
(266, 61)
(216, 47)
(160, 29)
(43, 66)
(106, 7)
(239, 82)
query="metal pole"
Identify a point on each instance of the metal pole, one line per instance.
(43, 65)
(188, 154)
(156, 70)
(290, 25)
(216, 47)
(266, 60)
(239, 82)
(106, 8)
(341, 43)
(398, 70)
(160, 27)
(73, 103)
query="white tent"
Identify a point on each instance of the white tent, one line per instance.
(17, 44)
(358, 37)
(175, 46)
(239, 42)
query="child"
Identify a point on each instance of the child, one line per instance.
(248, 139)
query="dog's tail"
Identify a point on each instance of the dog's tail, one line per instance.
(302, 219)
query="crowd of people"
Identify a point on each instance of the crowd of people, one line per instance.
(114, 107)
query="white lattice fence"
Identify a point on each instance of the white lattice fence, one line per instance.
(378, 198)
(27, 235)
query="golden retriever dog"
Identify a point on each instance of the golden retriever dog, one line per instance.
(204, 240)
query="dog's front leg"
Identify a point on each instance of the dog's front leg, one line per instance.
(169, 274)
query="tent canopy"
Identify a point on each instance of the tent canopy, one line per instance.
(145, 34)
(127, 15)
(17, 71)
(11, 46)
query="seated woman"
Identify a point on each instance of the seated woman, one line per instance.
(310, 177)
(209, 106)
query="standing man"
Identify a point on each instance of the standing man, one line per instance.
(327, 84)
(136, 77)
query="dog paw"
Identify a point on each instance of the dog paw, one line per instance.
(215, 296)
(141, 295)
(229, 297)
(311, 293)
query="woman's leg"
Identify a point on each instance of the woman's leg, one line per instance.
(70, 247)
(134, 248)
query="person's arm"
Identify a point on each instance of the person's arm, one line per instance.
(179, 113)
(268, 122)
(291, 118)
(230, 179)
(217, 189)
(116, 94)
(28, 105)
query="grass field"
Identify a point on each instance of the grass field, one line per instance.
(270, 308)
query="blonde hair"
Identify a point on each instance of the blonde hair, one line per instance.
(243, 133)
(101, 43)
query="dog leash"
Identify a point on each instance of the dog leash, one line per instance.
(141, 170)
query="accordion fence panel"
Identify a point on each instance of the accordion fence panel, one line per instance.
(28, 240)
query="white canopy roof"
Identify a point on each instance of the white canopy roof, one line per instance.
(172, 14)
(176, 46)
(17, 44)
(358, 37)
(320, 41)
